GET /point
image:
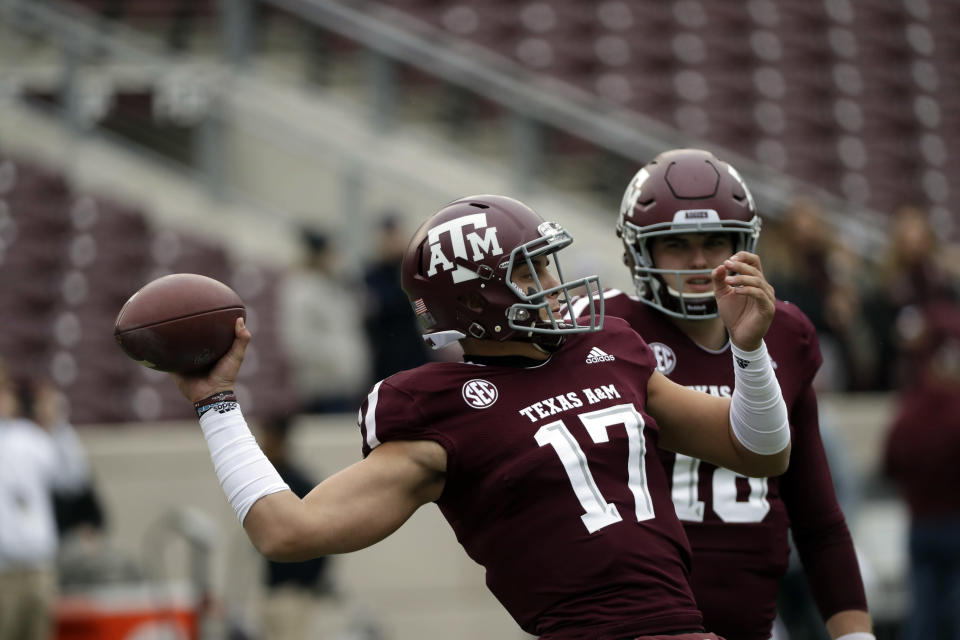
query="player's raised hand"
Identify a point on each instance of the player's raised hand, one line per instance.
(745, 300)
(222, 376)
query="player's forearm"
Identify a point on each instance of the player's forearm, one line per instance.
(273, 525)
(243, 470)
(284, 528)
(352, 509)
(275, 519)
(756, 465)
(852, 624)
(758, 415)
(829, 560)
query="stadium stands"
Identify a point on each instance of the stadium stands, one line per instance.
(858, 99)
(70, 261)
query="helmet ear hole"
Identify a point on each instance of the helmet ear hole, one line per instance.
(474, 302)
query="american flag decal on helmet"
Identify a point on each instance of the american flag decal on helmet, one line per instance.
(424, 317)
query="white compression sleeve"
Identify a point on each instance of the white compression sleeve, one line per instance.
(758, 413)
(245, 473)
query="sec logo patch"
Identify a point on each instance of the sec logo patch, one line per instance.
(479, 394)
(666, 358)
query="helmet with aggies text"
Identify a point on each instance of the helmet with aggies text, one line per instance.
(457, 273)
(683, 191)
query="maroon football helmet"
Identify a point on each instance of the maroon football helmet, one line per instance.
(683, 191)
(457, 269)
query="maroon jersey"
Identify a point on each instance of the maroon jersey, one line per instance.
(553, 483)
(737, 526)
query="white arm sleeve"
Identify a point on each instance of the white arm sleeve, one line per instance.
(758, 413)
(245, 473)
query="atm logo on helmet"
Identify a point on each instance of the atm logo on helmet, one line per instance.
(468, 244)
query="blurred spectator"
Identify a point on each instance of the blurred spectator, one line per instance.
(320, 318)
(390, 323)
(922, 449)
(84, 555)
(78, 511)
(911, 275)
(35, 459)
(823, 279)
(291, 587)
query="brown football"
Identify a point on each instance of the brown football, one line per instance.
(183, 322)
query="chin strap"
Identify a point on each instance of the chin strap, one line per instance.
(548, 343)
(440, 339)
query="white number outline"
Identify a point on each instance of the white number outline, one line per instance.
(598, 513)
(690, 508)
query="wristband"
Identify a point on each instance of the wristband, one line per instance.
(857, 635)
(221, 401)
(244, 472)
(758, 414)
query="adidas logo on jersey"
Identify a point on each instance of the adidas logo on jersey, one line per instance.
(599, 355)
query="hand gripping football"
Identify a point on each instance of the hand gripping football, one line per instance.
(182, 323)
